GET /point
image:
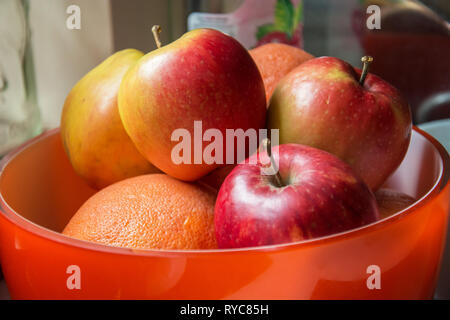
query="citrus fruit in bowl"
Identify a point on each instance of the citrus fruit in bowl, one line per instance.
(40, 192)
(152, 211)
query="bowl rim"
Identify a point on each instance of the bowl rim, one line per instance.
(27, 225)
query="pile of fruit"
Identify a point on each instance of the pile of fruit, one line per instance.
(342, 132)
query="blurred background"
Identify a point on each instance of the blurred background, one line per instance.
(43, 52)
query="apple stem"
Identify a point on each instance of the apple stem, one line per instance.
(366, 60)
(156, 29)
(267, 144)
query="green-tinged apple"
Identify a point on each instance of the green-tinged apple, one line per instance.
(92, 133)
(357, 116)
(313, 194)
(204, 76)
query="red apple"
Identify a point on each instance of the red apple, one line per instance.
(204, 76)
(318, 195)
(322, 104)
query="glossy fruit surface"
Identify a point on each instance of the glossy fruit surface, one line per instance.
(203, 76)
(322, 104)
(94, 138)
(320, 195)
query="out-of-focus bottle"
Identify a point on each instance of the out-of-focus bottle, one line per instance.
(252, 22)
(19, 113)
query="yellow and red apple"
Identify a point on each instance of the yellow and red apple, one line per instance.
(204, 76)
(91, 129)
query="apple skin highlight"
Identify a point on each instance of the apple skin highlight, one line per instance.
(321, 196)
(92, 131)
(322, 104)
(204, 75)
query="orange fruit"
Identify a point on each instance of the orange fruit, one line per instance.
(151, 211)
(275, 60)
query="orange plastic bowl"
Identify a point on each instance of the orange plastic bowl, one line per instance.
(40, 192)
